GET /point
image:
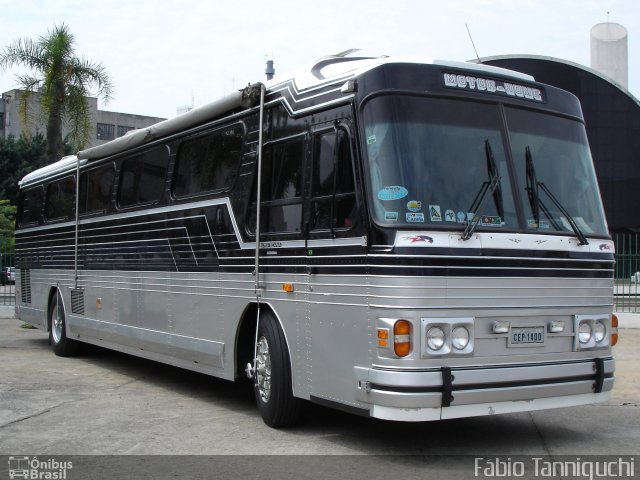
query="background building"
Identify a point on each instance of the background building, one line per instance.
(107, 125)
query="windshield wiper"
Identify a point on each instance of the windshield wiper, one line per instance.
(490, 187)
(536, 202)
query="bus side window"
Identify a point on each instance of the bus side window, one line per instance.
(31, 203)
(281, 188)
(142, 177)
(96, 188)
(333, 192)
(61, 198)
(208, 163)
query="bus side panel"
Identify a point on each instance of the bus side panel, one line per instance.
(325, 321)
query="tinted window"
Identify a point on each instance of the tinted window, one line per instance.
(333, 205)
(61, 196)
(208, 163)
(31, 205)
(281, 187)
(142, 177)
(96, 187)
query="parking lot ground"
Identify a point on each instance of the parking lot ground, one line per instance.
(108, 403)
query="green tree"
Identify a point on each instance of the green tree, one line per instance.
(17, 158)
(64, 81)
(7, 224)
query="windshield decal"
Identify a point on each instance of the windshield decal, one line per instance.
(391, 216)
(491, 221)
(415, 217)
(496, 87)
(414, 205)
(394, 192)
(450, 216)
(434, 213)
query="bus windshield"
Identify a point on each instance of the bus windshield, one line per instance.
(558, 164)
(436, 162)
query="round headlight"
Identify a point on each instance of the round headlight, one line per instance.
(460, 338)
(584, 332)
(600, 332)
(435, 338)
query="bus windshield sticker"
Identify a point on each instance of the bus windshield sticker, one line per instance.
(461, 217)
(391, 216)
(495, 87)
(414, 205)
(434, 213)
(450, 216)
(491, 221)
(415, 217)
(394, 192)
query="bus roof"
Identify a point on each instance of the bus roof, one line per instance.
(333, 69)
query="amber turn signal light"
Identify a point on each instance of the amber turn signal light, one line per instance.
(402, 338)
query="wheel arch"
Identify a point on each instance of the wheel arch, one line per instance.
(246, 335)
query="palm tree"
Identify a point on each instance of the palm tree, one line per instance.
(63, 80)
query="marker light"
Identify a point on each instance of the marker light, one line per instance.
(435, 338)
(584, 333)
(556, 326)
(460, 338)
(614, 330)
(383, 337)
(501, 327)
(402, 338)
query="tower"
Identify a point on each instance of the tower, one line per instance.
(609, 51)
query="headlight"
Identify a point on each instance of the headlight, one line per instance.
(435, 338)
(584, 333)
(592, 331)
(600, 332)
(460, 338)
(442, 337)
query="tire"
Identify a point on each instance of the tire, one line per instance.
(62, 345)
(272, 379)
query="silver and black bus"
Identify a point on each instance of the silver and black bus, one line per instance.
(400, 238)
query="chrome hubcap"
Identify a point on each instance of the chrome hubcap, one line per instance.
(263, 369)
(56, 328)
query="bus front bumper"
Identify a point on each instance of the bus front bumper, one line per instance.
(434, 394)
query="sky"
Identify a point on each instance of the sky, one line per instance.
(166, 54)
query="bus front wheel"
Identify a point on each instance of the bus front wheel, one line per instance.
(272, 378)
(62, 345)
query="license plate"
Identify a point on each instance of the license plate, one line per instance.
(526, 336)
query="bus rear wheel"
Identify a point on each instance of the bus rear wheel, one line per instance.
(272, 379)
(62, 345)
